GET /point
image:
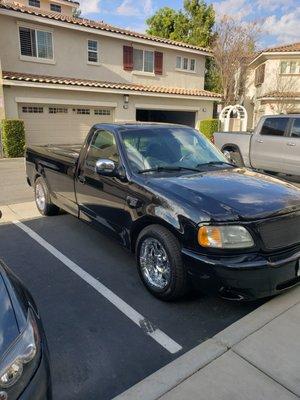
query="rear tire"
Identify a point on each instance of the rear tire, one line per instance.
(160, 264)
(42, 198)
(235, 157)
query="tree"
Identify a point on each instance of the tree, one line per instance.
(76, 13)
(234, 42)
(193, 24)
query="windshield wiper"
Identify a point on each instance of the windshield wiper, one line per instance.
(215, 163)
(168, 169)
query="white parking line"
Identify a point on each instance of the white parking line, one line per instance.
(156, 334)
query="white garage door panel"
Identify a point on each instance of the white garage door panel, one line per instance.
(46, 124)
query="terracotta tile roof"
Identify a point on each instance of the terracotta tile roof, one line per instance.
(15, 6)
(16, 76)
(281, 95)
(284, 48)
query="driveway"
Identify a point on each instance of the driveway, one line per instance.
(14, 188)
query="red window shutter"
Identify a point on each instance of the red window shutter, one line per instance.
(128, 58)
(158, 62)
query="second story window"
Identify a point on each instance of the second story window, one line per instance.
(93, 52)
(55, 7)
(290, 67)
(34, 3)
(143, 60)
(260, 75)
(36, 43)
(186, 64)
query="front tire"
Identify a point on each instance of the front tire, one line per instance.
(42, 198)
(160, 264)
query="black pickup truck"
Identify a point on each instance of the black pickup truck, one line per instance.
(167, 194)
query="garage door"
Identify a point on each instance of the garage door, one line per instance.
(174, 117)
(60, 124)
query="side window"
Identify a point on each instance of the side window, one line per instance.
(295, 131)
(274, 126)
(103, 145)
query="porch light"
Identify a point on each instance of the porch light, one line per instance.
(126, 101)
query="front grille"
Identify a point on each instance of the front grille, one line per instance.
(280, 232)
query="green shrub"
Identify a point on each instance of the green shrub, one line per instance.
(208, 127)
(13, 137)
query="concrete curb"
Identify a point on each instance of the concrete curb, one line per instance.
(162, 381)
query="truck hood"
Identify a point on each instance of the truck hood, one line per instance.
(9, 329)
(231, 194)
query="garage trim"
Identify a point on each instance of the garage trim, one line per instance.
(166, 108)
(70, 102)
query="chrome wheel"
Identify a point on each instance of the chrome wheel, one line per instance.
(40, 196)
(155, 264)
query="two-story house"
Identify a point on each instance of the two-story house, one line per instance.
(62, 74)
(272, 84)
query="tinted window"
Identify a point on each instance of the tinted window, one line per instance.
(176, 147)
(103, 145)
(274, 126)
(296, 128)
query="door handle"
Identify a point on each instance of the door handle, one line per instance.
(259, 140)
(291, 144)
(81, 179)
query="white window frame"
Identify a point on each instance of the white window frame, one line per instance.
(87, 52)
(34, 6)
(36, 58)
(288, 70)
(188, 70)
(55, 4)
(143, 72)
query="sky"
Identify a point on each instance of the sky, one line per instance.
(280, 19)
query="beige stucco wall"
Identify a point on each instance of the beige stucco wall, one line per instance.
(70, 58)
(204, 108)
(273, 82)
(45, 5)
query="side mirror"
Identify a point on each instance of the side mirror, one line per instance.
(105, 167)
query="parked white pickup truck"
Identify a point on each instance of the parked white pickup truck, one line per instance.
(274, 145)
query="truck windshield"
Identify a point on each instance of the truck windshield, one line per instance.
(169, 149)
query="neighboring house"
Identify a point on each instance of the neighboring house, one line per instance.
(62, 74)
(272, 83)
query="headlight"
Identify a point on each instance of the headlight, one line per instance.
(23, 350)
(225, 237)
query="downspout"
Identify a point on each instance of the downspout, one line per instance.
(2, 110)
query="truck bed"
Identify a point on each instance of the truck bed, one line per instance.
(65, 153)
(240, 140)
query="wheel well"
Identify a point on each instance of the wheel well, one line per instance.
(230, 147)
(146, 221)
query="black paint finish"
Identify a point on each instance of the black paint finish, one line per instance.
(125, 203)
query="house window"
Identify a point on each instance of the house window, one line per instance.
(186, 64)
(102, 112)
(33, 110)
(55, 7)
(143, 60)
(260, 75)
(34, 3)
(58, 110)
(82, 111)
(290, 67)
(93, 47)
(36, 43)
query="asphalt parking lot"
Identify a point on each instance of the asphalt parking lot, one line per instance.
(105, 331)
(96, 351)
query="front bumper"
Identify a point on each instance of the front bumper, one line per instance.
(245, 277)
